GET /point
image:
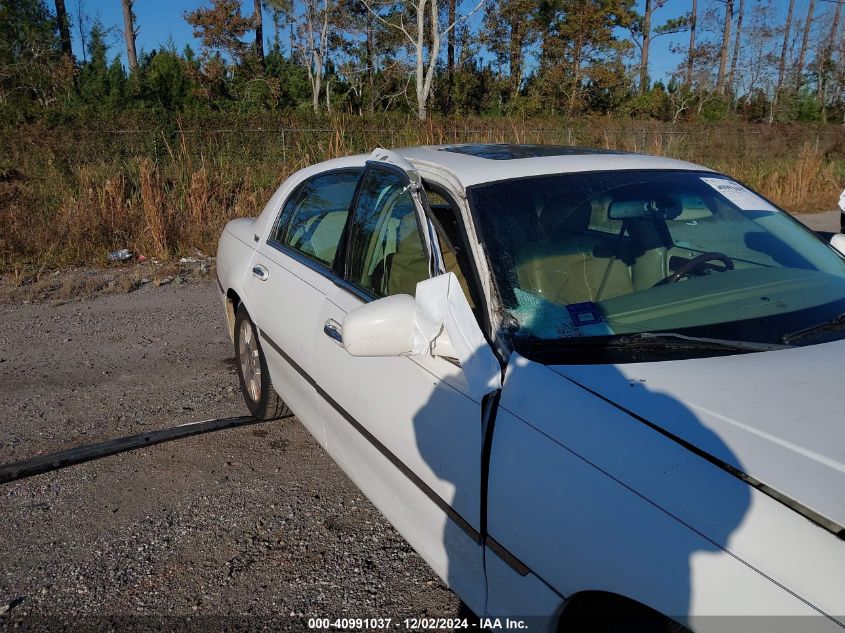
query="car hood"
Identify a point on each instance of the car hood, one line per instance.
(777, 416)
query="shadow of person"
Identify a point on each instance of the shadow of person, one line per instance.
(591, 487)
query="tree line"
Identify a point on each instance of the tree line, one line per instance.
(754, 60)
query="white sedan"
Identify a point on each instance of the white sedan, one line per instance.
(586, 386)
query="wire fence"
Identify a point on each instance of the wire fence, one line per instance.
(71, 194)
(292, 146)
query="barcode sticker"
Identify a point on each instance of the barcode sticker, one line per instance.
(744, 198)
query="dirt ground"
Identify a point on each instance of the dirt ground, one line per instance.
(245, 528)
(238, 529)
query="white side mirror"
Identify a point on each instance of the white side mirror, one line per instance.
(838, 242)
(384, 327)
(439, 322)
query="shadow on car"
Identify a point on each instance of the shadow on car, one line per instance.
(670, 580)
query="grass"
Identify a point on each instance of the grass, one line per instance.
(70, 196)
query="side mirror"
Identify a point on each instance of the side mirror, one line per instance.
(384, 327)
(838, 242)
(438, 322)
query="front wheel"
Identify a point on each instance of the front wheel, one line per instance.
(261, 399)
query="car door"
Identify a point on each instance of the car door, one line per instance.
(289, 276)
(405, 429)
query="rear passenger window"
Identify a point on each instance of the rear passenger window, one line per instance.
(313, 218)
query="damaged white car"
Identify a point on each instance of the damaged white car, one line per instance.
(588, 387)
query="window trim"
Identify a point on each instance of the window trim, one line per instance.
(300, 256)
(371, 165)
(474, 278)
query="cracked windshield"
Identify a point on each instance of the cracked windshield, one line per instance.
(604, 254)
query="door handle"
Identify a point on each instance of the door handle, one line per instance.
(333, 330)
(260, 272)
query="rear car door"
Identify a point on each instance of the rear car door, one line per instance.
(289, 276)
(405, 429)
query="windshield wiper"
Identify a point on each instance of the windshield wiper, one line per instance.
(834, 324)
(652, 340)
(677, 340)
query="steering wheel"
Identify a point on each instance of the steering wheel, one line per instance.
(697, 262)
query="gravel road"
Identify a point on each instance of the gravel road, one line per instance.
(245, 528)
(235, 529)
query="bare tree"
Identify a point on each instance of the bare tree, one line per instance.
(450, 54)
(370, 60)
(649, 8)
(309, 38)
(757, 75)
(82, 22)
(426, 34)
(737, 44)
(129, 34)
(313, 44)
(259, 32)
(680, 98)
(802, 54)
(691, 50)
(64, 29)
(823, 61)
(723, 50)
(787, 29)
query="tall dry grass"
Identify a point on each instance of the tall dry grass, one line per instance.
(71, 196)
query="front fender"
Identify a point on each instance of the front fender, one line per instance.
(590, 499)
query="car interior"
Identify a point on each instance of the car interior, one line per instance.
(395, 259)
(396, 253)
(313, 218)
(318, 235)
(574, 254)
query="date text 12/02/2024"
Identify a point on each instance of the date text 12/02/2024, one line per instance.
(415, 624)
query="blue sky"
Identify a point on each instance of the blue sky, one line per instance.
(162, 20)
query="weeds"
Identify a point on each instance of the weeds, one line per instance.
(71, 196)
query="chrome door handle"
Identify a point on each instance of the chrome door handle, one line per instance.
(332, 329)
(260, 272)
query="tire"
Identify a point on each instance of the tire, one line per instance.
(261, 399)
(465, 613)
(595, 613)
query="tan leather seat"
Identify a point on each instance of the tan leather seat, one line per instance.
(409, 265)
(569, 267)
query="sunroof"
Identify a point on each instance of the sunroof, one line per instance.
(512, 152)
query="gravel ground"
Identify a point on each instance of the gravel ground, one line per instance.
(825, 221)
(234, 529)
(245, 528)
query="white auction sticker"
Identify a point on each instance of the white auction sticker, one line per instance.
(743, 198)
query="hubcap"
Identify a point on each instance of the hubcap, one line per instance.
(250, 364)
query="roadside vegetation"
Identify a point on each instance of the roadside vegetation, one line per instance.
(157, 150)
(71, 196)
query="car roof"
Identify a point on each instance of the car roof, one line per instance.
(474, 164)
